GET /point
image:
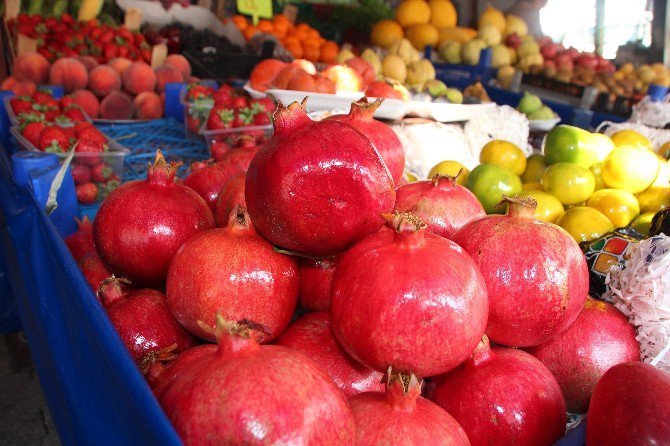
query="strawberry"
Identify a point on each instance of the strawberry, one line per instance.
(220, 118)
(87, 193)
(21, 104)
(93, 134)
(239, 102)
(100, 173)
(110, 51)
(88, 150)
(44, 98)
(80, 126)
(266, 104)
(51, 114)
(197, 91)
(262, 118)
(243, 117)
(224, 95)
(217, 149)
(80, 173)
(66, 101)
(31, 131)
(53, 139)
(69, 132)
(75, 114)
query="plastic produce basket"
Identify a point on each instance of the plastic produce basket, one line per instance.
(461, 76)
(15, 119)
(230, 136)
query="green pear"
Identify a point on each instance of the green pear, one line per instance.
(436, 88)
(373, 59)
(454, 96)
(542, 113)
(529, 103)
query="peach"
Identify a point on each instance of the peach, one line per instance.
(103, 80)
(31, 67)
(302, 81)
(193, 80)
(8, 83)
(179, 62)
(148, 105)
(167, 74)
(88, 61)
(305, 65)
(25, 88)
(139, 77)
(117, 105)
(70, 73)
(88, 102)
(263, 73)
(120, 64)
(344, 77)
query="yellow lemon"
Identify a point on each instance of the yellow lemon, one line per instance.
(451, 168)
(412, 12)
(442, 13)
(569, 182)
(532, 186)
(632, 168)
(642, 223)
(385, 32)
(548, 209)
(597, 170)
(410, 177)
(504, 154)
(631, 138)
(654, 199)
(585, 224)
(535, 166)
(620, 206)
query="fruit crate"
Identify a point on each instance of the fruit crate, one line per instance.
(461, 76)
(224, 66)
(616, 104)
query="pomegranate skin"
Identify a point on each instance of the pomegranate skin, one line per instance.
(402, 417)
(317, 187)
(444, 205)
(503, 396)
(81, 242)
(311, 336)
(142, 320)
(207, 179)
(396, 295)
(630, 407)
(535, 271)
(381, 135)
(251, 394)
(141, 224)
(230, 195)
(600, 338)
(234, 272)
(160, 376)
(316, 276)
(93, 270)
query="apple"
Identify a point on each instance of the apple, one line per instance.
(513, 41)
(549, 51)
(344, 77)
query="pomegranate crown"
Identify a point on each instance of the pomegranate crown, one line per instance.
(160, 172)
(440, 177)
(163, 355)
(519, 206)
(291, 117)
(364, 108)
(404, 222)
(111, 289)
(84, 222)
(402, 389)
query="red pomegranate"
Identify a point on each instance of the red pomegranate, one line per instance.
(535, 271)
(207, 178)
(385, 140)
(239, 157)
(503, 396)
(316, 275)
(444, 205)
(234, 272)
(317, 187)
(142, 320)
(630, 407)
(230, 195)
(246, 393)
(141, 224)
(93, 270)
(160, 376)
(600, 338)
(408, 299)
(402, 417)
(81, 242)
(311, 336)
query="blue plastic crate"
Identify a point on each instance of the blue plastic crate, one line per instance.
(461, 76)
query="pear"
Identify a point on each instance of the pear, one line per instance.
(541, 113)
(436, 88)
(454, 96)
(373, 59)
(451, 52)
(405, 50)
(344, 55)
(420, 72)
(529, 103)
(394, 67)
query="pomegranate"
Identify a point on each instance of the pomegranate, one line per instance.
(316, 275)
(600, 338)
(81, 242)
(141, 224)
(160, 376)
(535, 270)
(630, 407)
(246, 393)
(142, 320)
(311, 336)
(381, 135)
(232, 271)
(207, 178)
(444, 205)
(317, 187)
(503, 396)
(93, 270)
(230, 195)
(398, 295)
(402, 417)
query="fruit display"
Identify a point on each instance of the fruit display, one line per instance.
(532, 106)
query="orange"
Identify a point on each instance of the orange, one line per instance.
(249, 32)
(265, 26)
(280, 18)
(281, 29)
(300, 33)
(241, 22)
(302, 26)
(295, 49)
(385, 32)
(329, 52)
(313, 34)
(311, 52)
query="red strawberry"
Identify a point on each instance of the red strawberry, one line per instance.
(224, 95)
(75, 114)
(69, 132)
(197, 91)
(66, 101)
(239, 102)
(44, 98)
(80, 126)
(262, 118)
(243, 117)
(100, 173)
(53, 139)
(88, 149)
(32, 130)
(20, 105)
(87, 193)
(93, 134)
(267, 104)
(220, 118)
(80, 173)
(217, 149)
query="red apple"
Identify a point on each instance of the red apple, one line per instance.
(345, 78)
(513, 41)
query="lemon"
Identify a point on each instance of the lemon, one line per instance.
(654, 199)
(412, 12)
(620, 206)
(663, 176)
(422, 35)
(549, 208)
(532, 186)
(535, 166)
(409, 176)
(597, 170)
(489, 183)
(585, 224)
(631, 138)
(664, 150)
(442, 13)
(451, 168)
(504, 154)
(642, 223)
(632, 168)
(569, 182)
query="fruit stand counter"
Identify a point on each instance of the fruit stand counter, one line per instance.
(94, 390)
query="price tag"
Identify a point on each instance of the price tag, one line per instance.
(133, 19)
(158, 55)
(255, 8)
(12, 8)
(25, 44)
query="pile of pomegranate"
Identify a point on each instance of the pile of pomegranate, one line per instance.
(348, 309)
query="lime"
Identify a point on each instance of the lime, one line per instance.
(569, 182)
(629, 137)
(632, 168)
(568, 144)
(489, 182)
(585, 224)
(642, 223)
(535, 166)
(450, 168)
(620, 206)
(504, 154)
(549, 208)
